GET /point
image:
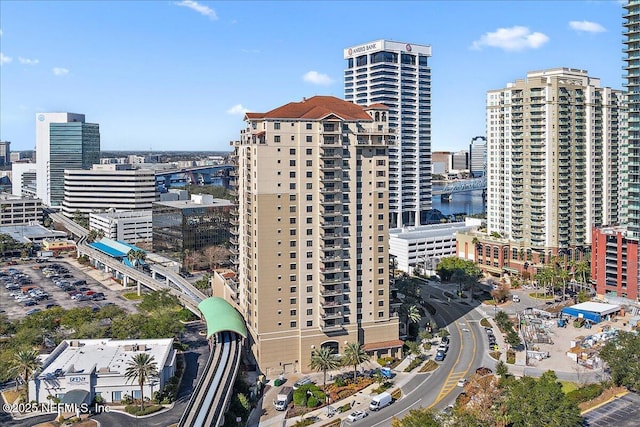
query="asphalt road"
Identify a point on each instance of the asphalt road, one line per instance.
(467, 350)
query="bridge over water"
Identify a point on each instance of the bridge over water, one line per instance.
(460, 186)
(196, 175)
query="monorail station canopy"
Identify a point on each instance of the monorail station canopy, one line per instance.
(592, 311)
(221, 316)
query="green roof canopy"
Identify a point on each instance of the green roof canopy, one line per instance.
(221, 316)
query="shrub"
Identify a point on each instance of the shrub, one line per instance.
(584, 394)
(383, 361)
(300, 398)
(312, 402)
(414, 363)
(340, 382)
(429, 366)
(135, 409)
(335, 423)
(396, 394)
(344, 408)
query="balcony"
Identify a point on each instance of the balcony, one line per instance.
(331, 326)
(332, 315)
(332, 291)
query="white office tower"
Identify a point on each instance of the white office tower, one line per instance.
(398, 75)
(553, 159)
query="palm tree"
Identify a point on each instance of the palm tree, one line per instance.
(583, 271)
(413, 316)
(354, 355)
(142, 367)
(23, 364)
(459, 276)
(324, 360)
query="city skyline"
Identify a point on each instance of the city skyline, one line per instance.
(184, 72)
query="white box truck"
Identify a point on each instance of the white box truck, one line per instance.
(283, 398)
(380, 401)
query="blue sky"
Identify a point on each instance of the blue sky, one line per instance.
(178, 75)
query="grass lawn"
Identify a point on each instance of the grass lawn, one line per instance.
(132, 296)
(568, 386)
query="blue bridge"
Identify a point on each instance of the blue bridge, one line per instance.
(197, 175)
(461, 186)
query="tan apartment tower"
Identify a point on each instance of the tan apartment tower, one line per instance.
(552, 160)
(313, 259)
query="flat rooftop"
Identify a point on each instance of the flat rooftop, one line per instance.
(106, 356)
(27, 233)
(184, 204)
(426, 231)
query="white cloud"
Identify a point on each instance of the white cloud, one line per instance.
(237, 109)
(4, 59)
(317, 78)
(587, 26)
(511, 39)
(27, 61)
(200, 8)
(59, 71)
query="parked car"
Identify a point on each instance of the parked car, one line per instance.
(51, 305)
(81, 297)
(440, 356)
(30, 302)
(462, 382)
(443, 348)
(33, 311)
(357, 415)
(98, 296)
(302, 381)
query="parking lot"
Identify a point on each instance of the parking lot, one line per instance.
(621, 412)
(52, 283)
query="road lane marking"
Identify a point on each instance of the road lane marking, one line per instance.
(396, 415)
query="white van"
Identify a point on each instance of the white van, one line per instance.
(515, 298)
(380, 401)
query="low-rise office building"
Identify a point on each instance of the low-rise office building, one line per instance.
(182, 228)
(426, 245)
(97, 367)
(130, 227)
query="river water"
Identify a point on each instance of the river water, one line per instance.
(469, 202)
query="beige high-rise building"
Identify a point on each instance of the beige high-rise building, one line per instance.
(312, 250)
(552, 159)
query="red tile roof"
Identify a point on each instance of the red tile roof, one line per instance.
(315, 108)
(377, 106)
(382, 345)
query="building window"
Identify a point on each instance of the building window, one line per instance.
(292, 301)
(309, 126)
(309, 279)
(380, 292)
(309, 163)
(276, 125)
(381, 314)
(276, 138)
(292, 151)
(309, 138)
(309, 288)
(116, 396)
(293, 324)
(309, 323)
(135, 394)
(293, 312)
(380, 303)
(292, 197)
(309, 311)
(309, 300)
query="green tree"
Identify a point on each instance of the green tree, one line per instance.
(413, 316)
(422, 417)
(354, 355)
(82, 219)
(23, 364)
(323, 360)
(502, 370)
(622, 354)
(413, 348)
(159, 301)
(513, 339)
(141, 368)
(532, 402)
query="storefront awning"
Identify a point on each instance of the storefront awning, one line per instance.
(75, 397)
